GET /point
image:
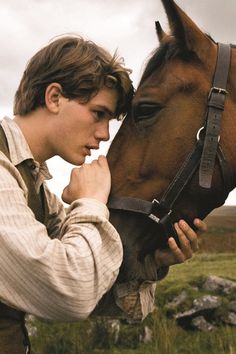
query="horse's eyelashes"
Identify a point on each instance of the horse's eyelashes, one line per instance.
(145, 112)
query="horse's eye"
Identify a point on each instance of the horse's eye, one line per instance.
(145, 112)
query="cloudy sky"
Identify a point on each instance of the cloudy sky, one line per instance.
(126, 25)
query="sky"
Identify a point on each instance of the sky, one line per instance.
(127, 26)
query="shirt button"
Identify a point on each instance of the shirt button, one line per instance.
(32, 166)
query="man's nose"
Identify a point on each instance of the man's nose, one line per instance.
(102, 132)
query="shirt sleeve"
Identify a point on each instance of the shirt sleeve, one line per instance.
(60, 278)
(131, 300)
(56, 213)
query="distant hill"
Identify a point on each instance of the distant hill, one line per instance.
(221, 234)
(224, 217)
(225, 210)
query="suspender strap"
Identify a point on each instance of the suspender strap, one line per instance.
(37, 203)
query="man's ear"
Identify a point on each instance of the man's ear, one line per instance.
(52, 97)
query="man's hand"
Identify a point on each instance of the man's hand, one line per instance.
(89, 181)
(188, 244)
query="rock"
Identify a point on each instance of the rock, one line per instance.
(207, 302)
(32, 329)
(209, 311)
(113, 327)
(201, 324)
(146, 336)
(188, 315)
(178, 300)
(230, 319)
(203, 303)
(203, 306)
(232, 306)
(214, 283)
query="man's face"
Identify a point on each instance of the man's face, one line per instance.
(81, 127)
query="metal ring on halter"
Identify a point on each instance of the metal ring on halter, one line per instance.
(199, 132)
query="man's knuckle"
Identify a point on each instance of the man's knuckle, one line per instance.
(187, 243)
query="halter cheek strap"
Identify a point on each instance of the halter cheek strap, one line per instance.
(216, 104)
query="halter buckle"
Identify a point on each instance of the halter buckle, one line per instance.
(158, 211)
(217, 90)
(154, 218)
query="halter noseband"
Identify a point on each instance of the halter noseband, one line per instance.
(204, 153)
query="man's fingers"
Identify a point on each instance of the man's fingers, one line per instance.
(185, 242)
(189, 234)
(188, 242)
(102, 160)
(179, 253)
(200, 225)
(176, 251)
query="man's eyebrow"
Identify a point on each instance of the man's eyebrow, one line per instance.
(105, 109)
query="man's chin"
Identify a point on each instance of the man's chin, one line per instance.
(77, 161)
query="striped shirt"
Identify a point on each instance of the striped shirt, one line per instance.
(56, 271)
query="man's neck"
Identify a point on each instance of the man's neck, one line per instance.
(34, 129)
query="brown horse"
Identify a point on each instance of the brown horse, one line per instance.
(168, 109)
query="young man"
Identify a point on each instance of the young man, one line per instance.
(53, 265)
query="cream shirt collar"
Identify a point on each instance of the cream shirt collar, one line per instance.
(19, 149)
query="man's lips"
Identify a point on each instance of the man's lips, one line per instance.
(88, 149)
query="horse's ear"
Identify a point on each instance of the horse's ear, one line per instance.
(159, 30)
(187, 34)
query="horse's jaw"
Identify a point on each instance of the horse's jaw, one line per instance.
(140, 238)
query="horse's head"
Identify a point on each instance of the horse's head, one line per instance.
(168, 110)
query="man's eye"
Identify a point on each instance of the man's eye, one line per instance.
(99, 115)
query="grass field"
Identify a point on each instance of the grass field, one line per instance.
(217, 256)
(168, 338)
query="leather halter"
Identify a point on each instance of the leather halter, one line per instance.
(204, 153)
(216, 101)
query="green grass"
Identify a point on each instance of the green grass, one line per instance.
(92, 336)
(219, 264)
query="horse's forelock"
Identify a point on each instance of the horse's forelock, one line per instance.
(167, 51)
(156, 59)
